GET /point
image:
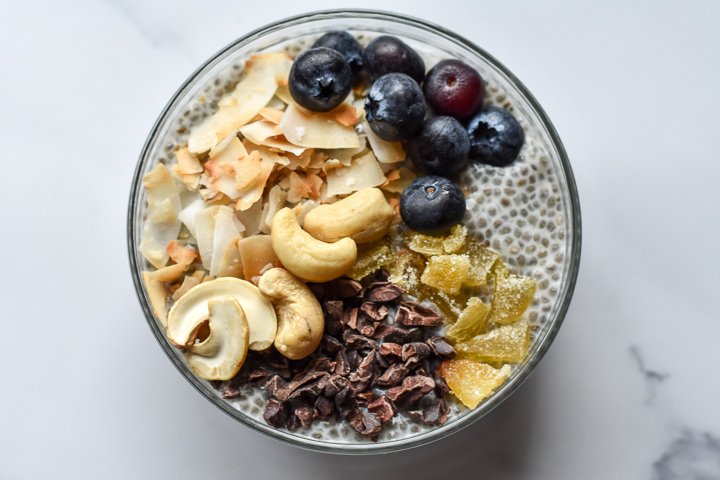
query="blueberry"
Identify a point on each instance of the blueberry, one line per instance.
(441, 148)
(387, 54)
(346, 44)
(454, 88)
(395, 107)
(432, 204)
(320, 79)
(495, 137)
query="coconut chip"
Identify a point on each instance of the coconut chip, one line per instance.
(181, 253)
(316, 130)
(225, 237)
(161, 224)
(187, 284)
(263, 72)
(398, 180)
(345, 114)
(271, 115)
(276, 199)
(363, 172)
(222, 167)
(386, 152)
(268, 134)
(251, 175)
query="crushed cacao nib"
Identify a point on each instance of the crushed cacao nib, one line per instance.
(415, 349)
(275, 413)
(374, 311)
(412, 314)
(325, 408)
(389, 349)
(391, 333)
(394, 374)
(441, 347)
(382, 408)
(382, 292)
(377, 358)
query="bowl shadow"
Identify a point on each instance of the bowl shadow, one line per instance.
(496, 446)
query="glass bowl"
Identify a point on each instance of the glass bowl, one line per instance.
(222, 69)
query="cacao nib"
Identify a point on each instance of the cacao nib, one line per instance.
(273, 384)
(342, 364)
(393, 334)
(284, 393)
(389, 349)
(376, 312)
(413, 314)
(366, 327)
(441, 347)
(353, 359)
(305, 414)
(382, 408)
(357, 341)
(394, 374)
(333, 310)
(343, 287)
(412, 389)
(331, 345)
(334, 384)
(436, 413)
(350, 317)
(274, 413)
(365, 397)
(325, 408)
(231, 391)
(382, 292)
(362, 376)
(415, 349)
(441, 388)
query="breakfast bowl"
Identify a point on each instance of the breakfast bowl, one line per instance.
(524, 216)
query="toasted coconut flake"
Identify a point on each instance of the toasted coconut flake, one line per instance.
(191, 181)
(161, 224)
(230, 264)
(188, 214)
(157, 291)
(205, 229)
(181, 253)
(222, 167)
(345, 114)
(276, 200)
(316, 130)
(331, 164)
(251, 94)
(187, 163)
(362, 173)
(283, 93)
(187, 284)
(299, 188)
(272, 115)
(224, 234)
(268, 134)
(252, 173)
(386, 152)
(398, 180)
(251, 218)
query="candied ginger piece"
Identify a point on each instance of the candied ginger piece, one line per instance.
(471, 322)
(405, 269)
(451, 306)
(513, 295)
(430, 245)
(370, 261)
(505, 344)
(482, 261)
(472, 382)
(446, 272)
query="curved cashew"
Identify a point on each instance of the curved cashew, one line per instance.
(300, 317)
(364, 216)
(304, 255)
(221, 355)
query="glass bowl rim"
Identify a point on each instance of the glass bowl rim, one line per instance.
(498, 396)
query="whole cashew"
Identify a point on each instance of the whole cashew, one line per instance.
(304, 255)
(300, 317)
(364, 216)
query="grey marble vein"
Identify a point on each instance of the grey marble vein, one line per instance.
(652, 378)
(693, 455)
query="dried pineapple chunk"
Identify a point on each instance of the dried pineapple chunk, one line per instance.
(482, 260)
(471, 322)
(471, 382)
(370, 261)
(513, 295)
(446, 272)
(506, 344)
(429, 245)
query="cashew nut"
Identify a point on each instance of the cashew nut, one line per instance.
(300, 317)
(364, 216)
(304, 255)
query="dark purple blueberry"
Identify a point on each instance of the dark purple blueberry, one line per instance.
(387, 54)
(320, 79)
(454, 88)
(346, 44)
(395, 107)
(432, 204)
(495, 137)
(441, 148)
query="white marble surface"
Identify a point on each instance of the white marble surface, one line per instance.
(629, 390)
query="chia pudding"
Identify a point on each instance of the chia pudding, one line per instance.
(518, 211)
